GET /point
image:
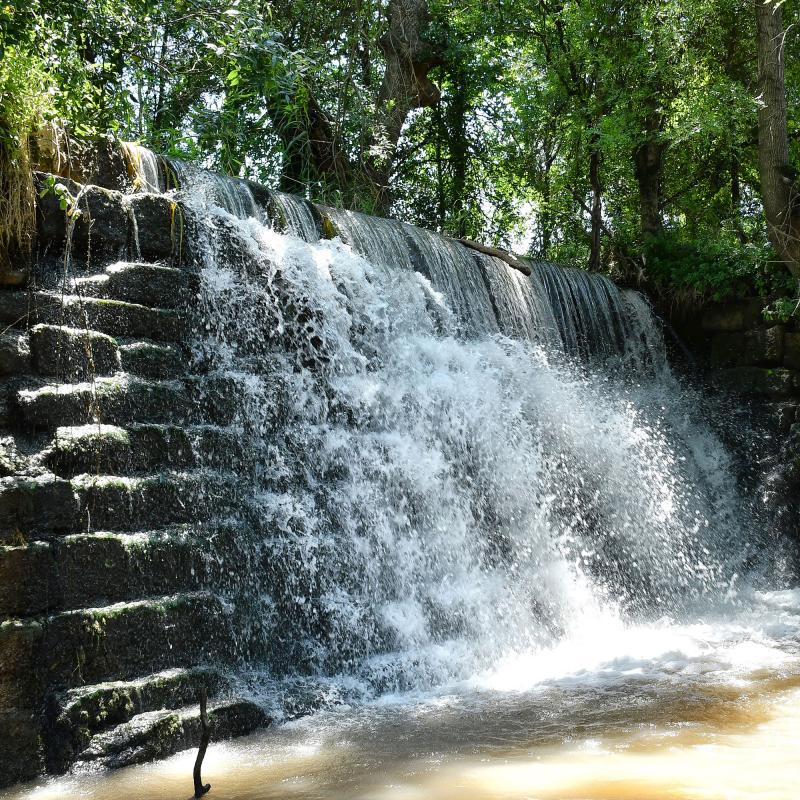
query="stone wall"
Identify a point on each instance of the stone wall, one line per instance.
(115, 474)
(756, 364)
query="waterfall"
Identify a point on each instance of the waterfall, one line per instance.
(453, 462)
(143, 168)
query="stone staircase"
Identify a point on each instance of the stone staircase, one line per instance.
(118, 480)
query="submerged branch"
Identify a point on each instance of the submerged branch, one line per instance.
(205, 736)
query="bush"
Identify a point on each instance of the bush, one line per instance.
(715, 268)
(25, 105)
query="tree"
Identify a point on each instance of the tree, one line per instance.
(779, 188)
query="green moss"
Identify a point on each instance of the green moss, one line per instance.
(329, 230)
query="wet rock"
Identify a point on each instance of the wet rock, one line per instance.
(145, 284)
(756, 381)
(784, 416)
(27, 577)
(14, 354)
(160, 229)
(102, 227)
(12, 462)
(764, 346)
(156, 734)
(21, 756)
(153, 734)
(113, 450)
(114, 643)
(114, 503)
(15, 308)
(99, 160)
(35, 506)
(85, 712)
(791, 354)
(738, 316)
(116, 400)
(151, 360)
(727, 349)
(72, 354)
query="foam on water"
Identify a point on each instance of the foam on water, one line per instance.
(458, 467)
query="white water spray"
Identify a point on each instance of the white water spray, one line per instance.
(456, 465)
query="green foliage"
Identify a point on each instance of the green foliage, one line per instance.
(25, 100)
(532, 93)
(721, 268)
(782, 310)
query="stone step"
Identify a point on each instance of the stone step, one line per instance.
(142, 448)
(72, 354)
(112, 317)
(157, 734)
(15, 354)
(118, 318)
(116, 503)
(153, 360)
(124, 398)
(34, 506)
(116, 642)
(151, 285)
(80, 714)
(96, 569)
(113, 400)
(114, 226)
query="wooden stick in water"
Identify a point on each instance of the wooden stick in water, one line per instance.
(497, 253)
(205, 736)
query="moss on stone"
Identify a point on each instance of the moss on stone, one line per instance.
(329, 230)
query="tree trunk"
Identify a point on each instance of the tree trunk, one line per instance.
(459, 157)
(313, 151)
(597, 207)
(779, 190)
(648, 160)
(405, 86)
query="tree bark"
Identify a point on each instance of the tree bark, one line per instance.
(512, 261)
(648, 160)
(313, 151)
(199, 787)
(409, 58)
(779, 189)
(597, 207)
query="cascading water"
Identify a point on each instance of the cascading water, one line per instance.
(480, 521)
(455, 463)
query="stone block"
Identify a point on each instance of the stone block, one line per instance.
(727, 349)
(35, 506)
(791, 350)
(764, 346)
(73, 354)
(15, 354)
(27, 578)
(102, 230)
(160, 228)
(757, 381)
(144, 284)
(151, 360)
(737, 316)
(21, 756)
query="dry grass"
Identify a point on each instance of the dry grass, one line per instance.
(24, 109)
